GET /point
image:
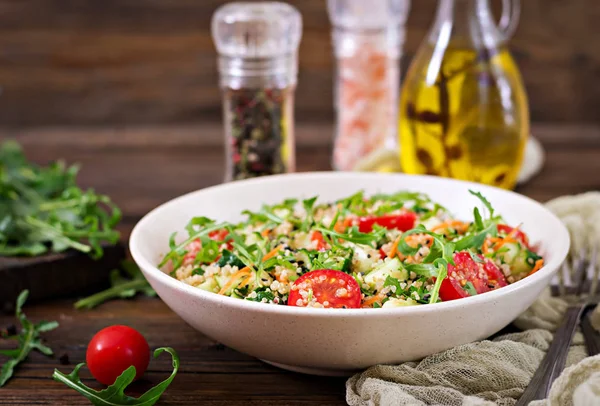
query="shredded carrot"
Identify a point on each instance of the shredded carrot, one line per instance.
(538, 265)
(503, 241)
(488, 242)
(272, 253)
(265, 232)
(239, 274)
(372, 300)
(269, 255)
(246, 281)
(341, 226)
(392, 252)
(455, 224)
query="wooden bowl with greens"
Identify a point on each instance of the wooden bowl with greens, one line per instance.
(55, 238)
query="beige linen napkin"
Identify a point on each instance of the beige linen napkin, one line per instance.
(495, 372)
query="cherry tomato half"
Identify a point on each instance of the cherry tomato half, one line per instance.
(332, 289)
(318, 237)
(465, 278)
(495, 276)
(194, 247)
(192, 250)
(519, 235)
(113, 350)
(218, 235)
(403, 222)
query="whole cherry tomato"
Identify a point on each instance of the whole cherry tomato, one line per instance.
(113, 350)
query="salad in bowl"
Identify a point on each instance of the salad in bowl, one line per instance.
(378, 251)
(329, 273)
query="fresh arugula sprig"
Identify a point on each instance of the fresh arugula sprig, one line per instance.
(28, 339)
(197, 229)
(409, 291)
(121, 287)
(354, 235)
(114, 395)
(479, 222)
(440, 255)
(42, 209)
(308, 205)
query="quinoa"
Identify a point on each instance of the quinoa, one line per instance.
(356, 252)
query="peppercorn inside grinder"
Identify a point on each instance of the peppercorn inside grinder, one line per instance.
(257, 45)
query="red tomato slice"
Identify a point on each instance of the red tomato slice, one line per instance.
(519, 235)
(192, 250)
(495, 276)
(403, 222)
(332, 289)
(465, 271)
(193, 247)
(318, 237)
(218, 235)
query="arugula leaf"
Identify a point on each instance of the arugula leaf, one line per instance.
(476, 240)
(475, 257)
(198, 222)
(338, 258)
(114, 394)
(28, 339)
(262, 294)
(308, 205)
(428, 270)
(485, 202)
(209, 251)
(470, 288)
(178, 251)
(353, 203)
(442, 274)
(441, 248)
(198, 271)
(121, 287)
(355, 236)
(263, 216)
(42, 209)
(391, 281)
(228, 258)
(478, 220)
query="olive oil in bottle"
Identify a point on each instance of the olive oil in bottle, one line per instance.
(463, 110)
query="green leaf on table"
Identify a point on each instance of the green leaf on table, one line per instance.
(28, 339)
(121, 287)
(42, 209)
(114, 394)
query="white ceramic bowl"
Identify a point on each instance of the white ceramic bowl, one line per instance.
(339, 341)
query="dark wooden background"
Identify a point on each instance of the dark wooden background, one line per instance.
(91, 62)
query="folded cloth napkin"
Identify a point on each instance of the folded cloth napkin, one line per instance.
(496, 371)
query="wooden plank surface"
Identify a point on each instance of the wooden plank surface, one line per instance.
(142, 167)
(210, 373)
(147, 61)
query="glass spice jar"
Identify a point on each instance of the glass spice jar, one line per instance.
(258, 64)
(367, 40)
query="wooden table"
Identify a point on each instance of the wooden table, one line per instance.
(143, 167)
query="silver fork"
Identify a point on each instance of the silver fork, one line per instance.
(583, 284)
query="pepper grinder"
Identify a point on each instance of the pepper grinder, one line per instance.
(257, 45)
